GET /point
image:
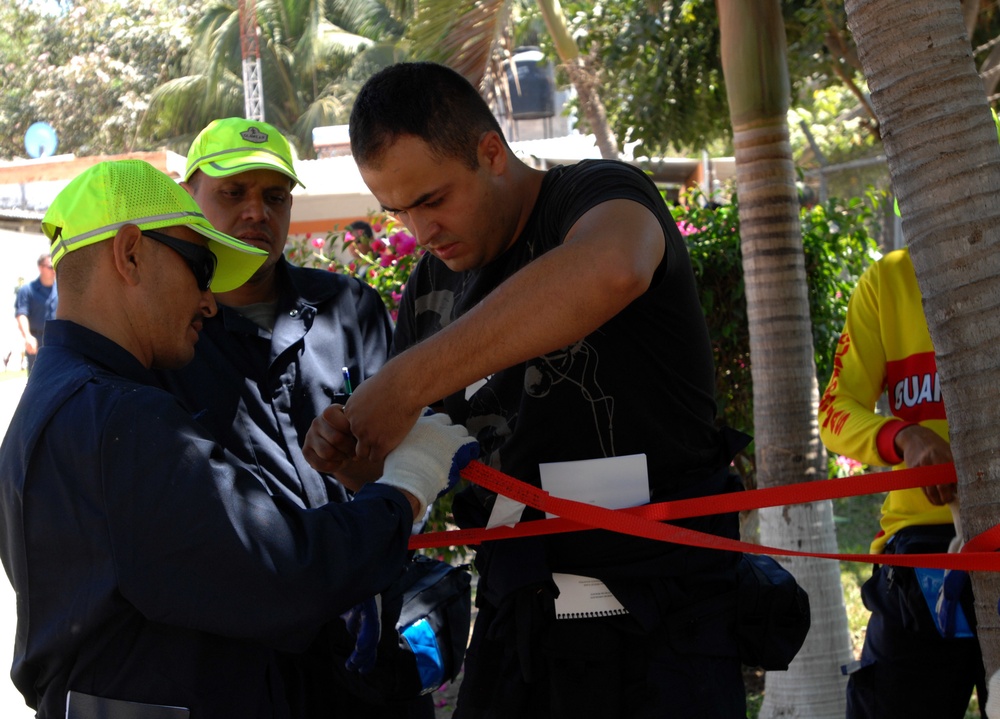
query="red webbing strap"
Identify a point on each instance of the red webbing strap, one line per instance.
(700, 506)
(988, 541)
(641, 521)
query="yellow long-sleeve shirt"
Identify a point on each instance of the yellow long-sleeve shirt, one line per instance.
(885, 347)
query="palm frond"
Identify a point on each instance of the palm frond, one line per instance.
(468, 36)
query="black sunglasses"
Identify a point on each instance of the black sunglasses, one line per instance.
(200, 259)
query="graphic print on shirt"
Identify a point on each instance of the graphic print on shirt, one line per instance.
(577, 365)
(914, 388)
(439, 302)
(834, 419)
(486, 421)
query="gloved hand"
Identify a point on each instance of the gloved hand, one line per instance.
(365, 623)
(428, 461)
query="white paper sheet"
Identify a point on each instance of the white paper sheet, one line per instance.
(609, 482)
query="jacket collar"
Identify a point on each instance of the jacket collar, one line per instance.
(98, 349)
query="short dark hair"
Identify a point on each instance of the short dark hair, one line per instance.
(423, 99)
(363, 228)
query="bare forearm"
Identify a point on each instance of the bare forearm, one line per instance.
(552, 302)
(556, 300)
(22, 325)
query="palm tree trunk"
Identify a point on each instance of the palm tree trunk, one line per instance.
(583, 78)
(944, 160)
(786, 392)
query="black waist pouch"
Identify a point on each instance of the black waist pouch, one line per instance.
(772, 613)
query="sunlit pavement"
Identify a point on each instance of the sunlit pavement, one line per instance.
(11, 702)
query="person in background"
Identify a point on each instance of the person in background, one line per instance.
(886, 348)
(556, 313)
(363, 235)
(35, 305)
(154, 576)
(283, 347)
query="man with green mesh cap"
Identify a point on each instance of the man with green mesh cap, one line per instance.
(271, 360)
(108, 197)
(155, 577)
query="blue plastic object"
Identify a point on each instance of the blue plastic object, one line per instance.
(423, 643)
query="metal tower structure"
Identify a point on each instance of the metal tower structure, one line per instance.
(253, 87)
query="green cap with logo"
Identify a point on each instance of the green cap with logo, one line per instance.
(233, 145)
(109, 195)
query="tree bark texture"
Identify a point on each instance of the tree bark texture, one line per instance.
(944, 160)
(786, 393)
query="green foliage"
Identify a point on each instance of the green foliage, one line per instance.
(663, 86)
(713, 242)
(838, 245)
(87, 68)
(662, 75)
(840, 130)
(819, 44)
(314, 56)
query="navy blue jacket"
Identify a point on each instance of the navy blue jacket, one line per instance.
(149, 568)
(258, 392)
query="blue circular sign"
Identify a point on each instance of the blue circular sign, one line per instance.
(40, 140)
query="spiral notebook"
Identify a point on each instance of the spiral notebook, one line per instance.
(584, 598)
(609, 482)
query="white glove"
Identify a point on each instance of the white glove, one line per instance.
(428, 460)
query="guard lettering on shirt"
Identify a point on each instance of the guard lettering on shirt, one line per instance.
(914, 388)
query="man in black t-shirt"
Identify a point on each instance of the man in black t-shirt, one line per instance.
(556, 315)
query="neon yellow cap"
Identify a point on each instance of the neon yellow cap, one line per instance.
(109, 195)
(233, 145)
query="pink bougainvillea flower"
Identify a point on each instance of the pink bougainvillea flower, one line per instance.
(377, 227)
(386, 260)
(405, 243)
(318, 243)
(378, 247)
(685, 228)
(849, 466)
(348, 237)
(396, 296)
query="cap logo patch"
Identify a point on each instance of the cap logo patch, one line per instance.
(252, 134)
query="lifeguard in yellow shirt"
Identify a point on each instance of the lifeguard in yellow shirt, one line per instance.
(886, 347)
